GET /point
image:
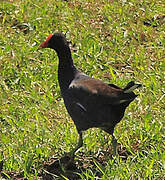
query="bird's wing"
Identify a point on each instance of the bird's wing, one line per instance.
(89, 89)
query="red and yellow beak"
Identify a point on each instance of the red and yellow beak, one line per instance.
(45, 43)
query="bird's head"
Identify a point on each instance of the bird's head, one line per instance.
(56, 41)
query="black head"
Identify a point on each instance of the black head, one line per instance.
(56, 41)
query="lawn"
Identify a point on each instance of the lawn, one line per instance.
(114, 41)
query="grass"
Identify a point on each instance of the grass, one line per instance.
(115, 41)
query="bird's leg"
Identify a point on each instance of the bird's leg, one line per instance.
(80, 143)
(114, 145)
(114, 141)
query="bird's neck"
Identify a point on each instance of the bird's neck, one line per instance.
(65, 57)
(66, 69)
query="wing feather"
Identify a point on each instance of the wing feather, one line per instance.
(96, 90)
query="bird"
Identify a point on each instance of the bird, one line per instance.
(90, 102)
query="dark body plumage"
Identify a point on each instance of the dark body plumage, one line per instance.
(90, 102)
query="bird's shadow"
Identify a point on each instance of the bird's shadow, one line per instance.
(73, 167)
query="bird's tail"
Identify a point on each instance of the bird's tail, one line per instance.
(131, 86)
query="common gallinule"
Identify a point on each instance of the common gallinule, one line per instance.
(90, 102)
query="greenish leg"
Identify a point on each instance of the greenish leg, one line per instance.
(114, 145)
(80, 143)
